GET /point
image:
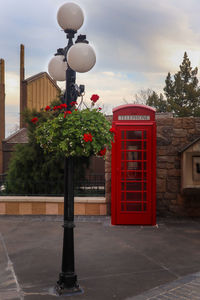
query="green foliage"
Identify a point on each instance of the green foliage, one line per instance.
(181, 91)
(31, 171)
(65, 135)
(157, 102)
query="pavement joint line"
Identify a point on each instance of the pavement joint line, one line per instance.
(11, 269)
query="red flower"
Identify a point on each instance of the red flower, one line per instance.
(34, 120)
(87, 137)
(47, 108)
(102, 152)
(94, 98)
(100, 108)
(112, 130)
(67, 112)
(73, 103)
(76, 109)
(63, 105)
(55, 107)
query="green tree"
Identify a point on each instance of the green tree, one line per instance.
(181, 91)
(157, 102)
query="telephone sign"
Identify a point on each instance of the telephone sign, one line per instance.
(134, 165)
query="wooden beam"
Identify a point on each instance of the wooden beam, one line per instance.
(22, 76)
(2, 110)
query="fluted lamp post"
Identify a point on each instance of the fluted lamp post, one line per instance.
(78, 57)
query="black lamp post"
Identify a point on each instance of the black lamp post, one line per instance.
(78, 57)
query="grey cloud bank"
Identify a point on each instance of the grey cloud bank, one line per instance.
(137, 41)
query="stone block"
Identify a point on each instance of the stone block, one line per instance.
(160, 185)
(25, 208)
(169, 150)
(92, 209)
(174, 172)
(12, 208)
(188, 123)
(51, 208)
(170, 166)
(79, 209)
(38, 208)
(108, 186)
(103, 209)
(107, 166)
(179, 132)
(173, 185)
(108, 177)
(60, 208)
(166, 158)
(170, 196)
(161, 173)
(108, 197)
(161, 165)
(177, 123)
(2, 208)
(164, 122)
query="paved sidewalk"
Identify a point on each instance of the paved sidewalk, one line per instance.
(186, 288)
(112, 262)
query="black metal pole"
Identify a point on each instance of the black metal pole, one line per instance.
(67, 282)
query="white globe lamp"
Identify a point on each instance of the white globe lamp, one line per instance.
(57, 68)
(81, 57)
(70, 16)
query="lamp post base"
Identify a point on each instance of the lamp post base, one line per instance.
(67, 285)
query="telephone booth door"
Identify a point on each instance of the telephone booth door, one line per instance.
(133, 169)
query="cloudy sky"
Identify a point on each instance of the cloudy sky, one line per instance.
(136, 42)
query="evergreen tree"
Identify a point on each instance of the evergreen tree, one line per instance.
(157, 102)
(181, 91)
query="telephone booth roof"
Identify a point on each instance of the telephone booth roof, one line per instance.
(134, 109)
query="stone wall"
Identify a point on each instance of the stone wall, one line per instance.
(173, 134)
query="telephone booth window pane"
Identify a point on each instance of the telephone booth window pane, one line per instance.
(144, 165)
(131, 186)
(123, 145)
(134, 145)
(133, 196)
(123, 154)
(144, 155)
(145, 196)
(145, 186)
(123, 135)
(132, 175)
(144, 145)
(144, 135)
(134, 135)
(122, 196)
(134, 165)
(134, 186)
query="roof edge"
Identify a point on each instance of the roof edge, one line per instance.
(189, 145)
(38, 75)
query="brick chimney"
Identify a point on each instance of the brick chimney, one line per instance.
(2, 110)
(22, 72)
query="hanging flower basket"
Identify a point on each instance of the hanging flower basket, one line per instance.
(75, 133)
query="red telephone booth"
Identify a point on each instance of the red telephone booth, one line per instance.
(134, 165)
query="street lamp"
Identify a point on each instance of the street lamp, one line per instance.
(78, 57)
